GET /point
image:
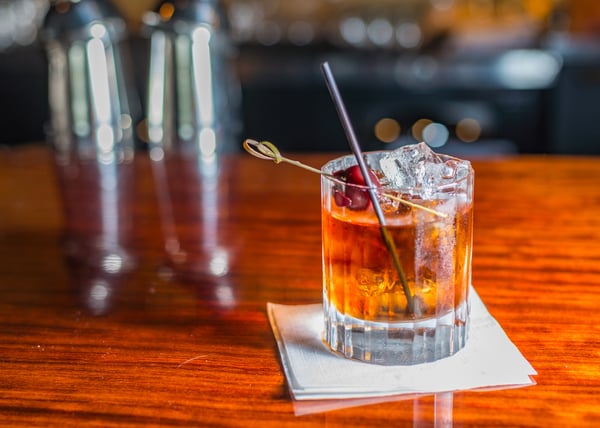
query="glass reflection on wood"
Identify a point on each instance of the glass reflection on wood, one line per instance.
(189, 195)
(97, 197)
(194, 200)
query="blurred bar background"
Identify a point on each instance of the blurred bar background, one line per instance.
(470, 77)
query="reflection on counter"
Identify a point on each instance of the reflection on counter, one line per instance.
(97, 196)
(468, 76)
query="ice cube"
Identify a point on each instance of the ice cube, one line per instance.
(414, 167)
(454, 171)
(450, 167)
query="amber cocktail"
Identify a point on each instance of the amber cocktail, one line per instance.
(412, 308)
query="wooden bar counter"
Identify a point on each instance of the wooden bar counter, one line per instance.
(148, 348)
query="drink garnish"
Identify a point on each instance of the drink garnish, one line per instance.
(353, 197)
(268, 151)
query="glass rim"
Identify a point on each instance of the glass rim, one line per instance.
(329, 176)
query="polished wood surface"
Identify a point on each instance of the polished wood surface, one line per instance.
(153, 349)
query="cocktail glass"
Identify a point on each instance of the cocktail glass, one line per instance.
(413, 309)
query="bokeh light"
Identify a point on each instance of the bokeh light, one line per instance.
(353, 30)
(380, 32)
(468, 130)
(387, 130)
(417, 128)
(166, 11)
(435, 134)
(408, 35)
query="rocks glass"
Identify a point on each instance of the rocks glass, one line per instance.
(412, 308)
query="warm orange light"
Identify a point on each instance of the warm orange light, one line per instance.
(166, 11)
(538, 9)
(387, 130)
(63, 7)
(468, 130)
(141, 131)
(417, 128)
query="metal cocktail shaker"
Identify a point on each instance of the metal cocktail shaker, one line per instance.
(89, 85)
(92, 124)
(192, 96)
(191, 115)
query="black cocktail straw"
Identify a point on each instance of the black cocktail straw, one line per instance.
(351, 136)
(355, 146)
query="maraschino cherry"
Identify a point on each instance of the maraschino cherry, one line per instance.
(353, 197)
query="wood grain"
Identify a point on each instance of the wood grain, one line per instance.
(161, 349)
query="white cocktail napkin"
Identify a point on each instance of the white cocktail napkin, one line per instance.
(489, 360)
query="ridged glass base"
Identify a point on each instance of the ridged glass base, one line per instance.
(401, 343)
